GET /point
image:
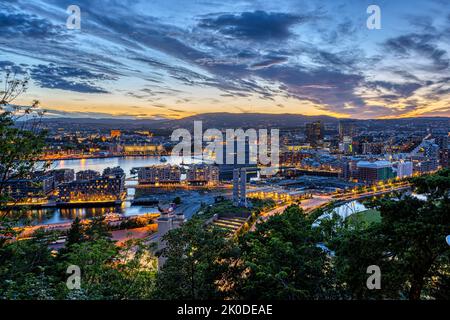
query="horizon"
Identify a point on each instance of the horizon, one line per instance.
(247, 113)
(171, 60)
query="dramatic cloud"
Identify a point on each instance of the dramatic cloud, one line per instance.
(421, 44)
(399, 89)
(193, 57)
(26, 25)
(258, 25)
(68, 78)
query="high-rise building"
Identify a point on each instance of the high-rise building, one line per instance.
(236, 187)
(373, 148)
(346, 129)
(165, 224)
(315, 133)
(239, 187)
(243, 189)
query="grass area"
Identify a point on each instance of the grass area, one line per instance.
(226, 209)
(369, 216)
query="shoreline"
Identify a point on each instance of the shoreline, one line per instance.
(101, 157)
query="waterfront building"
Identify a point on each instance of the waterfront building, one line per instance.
(142, 149)
(370, 172)
(29, 190)
(87, 175)
(116, 171)
(62, 175)
(202, 174)
(100, 189)
(159, 174)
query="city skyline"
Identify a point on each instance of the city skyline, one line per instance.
(174, 59)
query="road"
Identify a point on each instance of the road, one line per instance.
(318, 201)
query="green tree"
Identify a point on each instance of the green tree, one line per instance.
(434, 186)
(415, 233)
(109, 271)
(408, 245)
(21, 144)
(282, 260)
(27, 269)
(198, 258)
(25, 266)
(75, 234)
(98, 229)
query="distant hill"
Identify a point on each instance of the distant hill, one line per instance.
(210, 120)
(223, 120)
(248, 120)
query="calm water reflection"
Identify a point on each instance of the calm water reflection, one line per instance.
(59, 215)
(126, 163)
(55, 215)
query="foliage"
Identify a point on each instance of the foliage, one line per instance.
(198, 257)
(408, 245)
(282, 260)
(435, 185)
(28, 268)
(21, 143)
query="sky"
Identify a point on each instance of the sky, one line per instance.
(176, 58)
